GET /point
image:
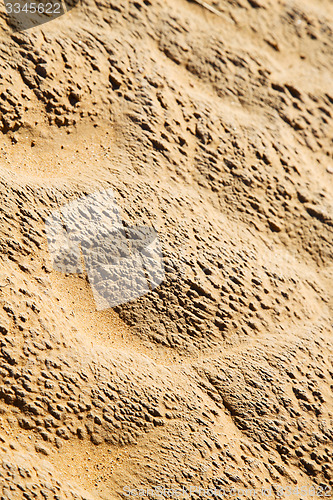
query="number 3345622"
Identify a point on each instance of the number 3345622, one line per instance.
(32, 8)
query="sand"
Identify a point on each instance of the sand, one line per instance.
(216, 131)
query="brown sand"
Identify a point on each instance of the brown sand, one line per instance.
(217, 131)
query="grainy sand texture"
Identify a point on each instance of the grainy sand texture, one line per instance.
(216, 132)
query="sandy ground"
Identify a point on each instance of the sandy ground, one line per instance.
(217, 132)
